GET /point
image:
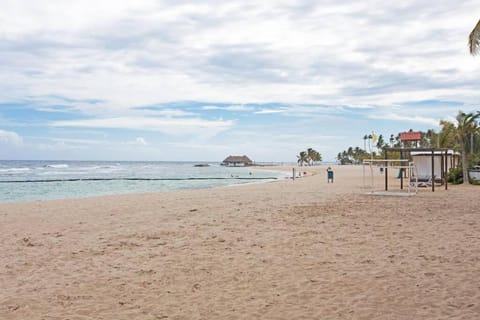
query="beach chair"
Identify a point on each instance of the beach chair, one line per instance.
(425, 181)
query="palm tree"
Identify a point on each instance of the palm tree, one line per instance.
(358, 154)
(446, 136)
(310, 156)
(392, 140)
(302, 158)
(345, 157)
(466, 126)
(316, 156)
(380, 144)
(474, 39)
(313, 156)
(432, 137)
(350, 152)
(339, 157)
(370, 137)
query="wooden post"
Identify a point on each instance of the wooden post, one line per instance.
(446, 169)
(293, 176)
(442, 167)
(386, 170)
(402, 171)
(401, 175)
(433, 170)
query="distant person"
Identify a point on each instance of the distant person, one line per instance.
(329, 175)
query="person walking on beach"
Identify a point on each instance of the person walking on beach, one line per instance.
(329, 175)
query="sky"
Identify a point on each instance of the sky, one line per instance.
(200, 80)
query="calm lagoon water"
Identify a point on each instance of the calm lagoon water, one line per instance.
(46, 180)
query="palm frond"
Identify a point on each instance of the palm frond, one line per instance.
(474, 40)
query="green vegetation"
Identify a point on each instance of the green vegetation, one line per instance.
(309, 157)
(474, 39)
(461, 135)
(352, 156)
(455, 175)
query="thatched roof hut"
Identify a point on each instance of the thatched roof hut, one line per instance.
(237, 161)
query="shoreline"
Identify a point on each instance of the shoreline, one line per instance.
(80, 187)
(283, 169)
(292, 249)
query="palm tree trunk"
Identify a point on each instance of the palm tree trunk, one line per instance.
(464, 167)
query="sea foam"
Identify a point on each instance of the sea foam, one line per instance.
(57, 166)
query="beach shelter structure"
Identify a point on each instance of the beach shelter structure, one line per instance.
(423, 162)
(237, 161)
(430, 163)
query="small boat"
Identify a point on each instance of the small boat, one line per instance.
(201, 165)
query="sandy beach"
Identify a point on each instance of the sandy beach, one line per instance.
(302, 249)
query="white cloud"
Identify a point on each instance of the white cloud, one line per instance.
(271, 111)
(167, 112)
(66, 144)
(409, 119)
(60, 145)
(171, 126)
(139, 53)
(140, 141)
(49, 109)
(10, 137)
(229, 108)
(76, 141)
(299, 110)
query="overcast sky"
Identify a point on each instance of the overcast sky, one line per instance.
(200, 80)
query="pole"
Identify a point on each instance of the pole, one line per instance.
(442, 167)
(363, 165)
(386, 170)
(433, 171)
(401, 176)
(446, 169)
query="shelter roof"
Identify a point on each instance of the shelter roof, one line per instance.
(237, 159)
(436, 152)
(411, 136)
(417, 149)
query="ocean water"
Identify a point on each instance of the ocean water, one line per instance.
(46, 180)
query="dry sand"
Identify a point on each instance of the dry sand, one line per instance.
(300, 249)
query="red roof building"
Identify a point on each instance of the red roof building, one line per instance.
(410, 136)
